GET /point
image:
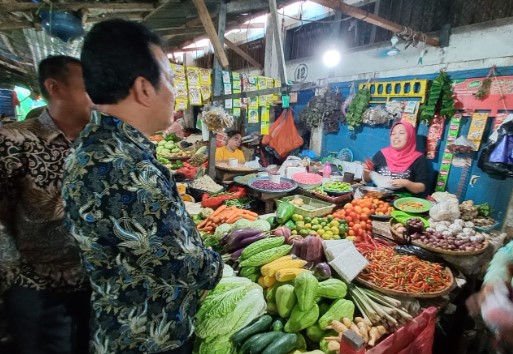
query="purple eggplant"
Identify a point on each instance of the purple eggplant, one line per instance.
(236, 254)
(237, 235)
(297, 247)
(322, 271)
(247, 241)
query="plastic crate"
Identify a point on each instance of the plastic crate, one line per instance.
(311, 207)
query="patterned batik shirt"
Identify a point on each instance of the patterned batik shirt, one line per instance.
(143, 253)
(36, 250)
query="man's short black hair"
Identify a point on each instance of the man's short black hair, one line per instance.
(114, 54)
(53, 67)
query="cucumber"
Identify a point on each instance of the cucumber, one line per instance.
(252, 341)
(277, 325)
(286, 343)
(259, 325)
(264, 341)
(247, 271)
(261, 246)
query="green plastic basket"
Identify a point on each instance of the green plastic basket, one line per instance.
(311, 207)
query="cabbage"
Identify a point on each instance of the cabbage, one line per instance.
(217, 345)
(261, 224)
(241, 224)
(228, 271)
(222, 229)
(229, 307)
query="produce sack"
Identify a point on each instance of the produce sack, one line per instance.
(446, 210)
(285, 138)
(416, 337)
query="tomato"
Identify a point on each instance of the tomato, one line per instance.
(351, 224)
(353, 215)
(350, 232)
(348, 206)
(358, 209)
(363, 224)
(356, 227)
(364, 217)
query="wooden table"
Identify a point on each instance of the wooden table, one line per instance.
(266, 197)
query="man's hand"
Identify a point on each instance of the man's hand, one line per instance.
(475, 301)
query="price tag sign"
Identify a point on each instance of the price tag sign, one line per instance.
(285, 101)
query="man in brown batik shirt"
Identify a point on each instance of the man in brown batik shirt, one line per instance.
(41, 276)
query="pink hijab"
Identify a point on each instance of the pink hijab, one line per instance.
(401, 160)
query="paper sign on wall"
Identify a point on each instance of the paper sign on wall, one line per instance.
(477, 127)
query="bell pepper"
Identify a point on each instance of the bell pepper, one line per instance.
(209, 201)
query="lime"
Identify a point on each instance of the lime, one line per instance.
(321, 231)
(293, 232)
(315, 221)
(304, 232)
(307, 219)
(297, 217)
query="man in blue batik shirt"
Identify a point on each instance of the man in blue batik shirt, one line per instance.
(144, 255)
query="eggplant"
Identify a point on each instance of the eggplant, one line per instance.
(297, 247)
(313, 249)
(237, 235)
(247, 241)
(322, 271)
(236, 254)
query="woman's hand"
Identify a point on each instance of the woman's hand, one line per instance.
(414, 187)
(401, 183)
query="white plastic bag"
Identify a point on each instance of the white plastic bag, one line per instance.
(382, 181)
(447, 210)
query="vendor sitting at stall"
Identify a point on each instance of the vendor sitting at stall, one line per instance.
(231, 149)
(400, 161)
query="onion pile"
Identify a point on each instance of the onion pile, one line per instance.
(436, 239)
(268, 185)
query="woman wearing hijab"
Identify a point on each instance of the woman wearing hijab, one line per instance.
(401, 161)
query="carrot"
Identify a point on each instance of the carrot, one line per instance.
(218, 211)
(250, 218)
(202, 224)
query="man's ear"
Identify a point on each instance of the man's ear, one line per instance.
(52, 87)
(143, 91)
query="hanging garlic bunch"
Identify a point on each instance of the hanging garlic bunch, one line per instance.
(217, 119)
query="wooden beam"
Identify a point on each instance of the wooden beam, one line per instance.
(183, 33)
(9, 26)
(269, 43)
(176, 28)
(75, 6)
(244, 26)
(242, 53)
(211, 32)
(8, 43)
(159, 6)
(13, 67)
(235, 24)
(195, 49)
(368, 17)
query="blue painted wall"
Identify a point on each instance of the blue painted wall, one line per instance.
(369, 140)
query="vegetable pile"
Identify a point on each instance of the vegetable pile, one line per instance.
(234, 303)
(270, 186)
(458, 236)
(224, 214)
(389, 270)
(337, 187)
(207, 184)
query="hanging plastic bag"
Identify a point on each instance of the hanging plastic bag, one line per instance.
(276, 125)
(496, 158)
(285, 138)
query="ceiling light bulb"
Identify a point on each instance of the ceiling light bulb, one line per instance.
(331, 58)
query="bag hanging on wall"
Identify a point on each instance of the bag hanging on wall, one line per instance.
(497, 157)
(272, 131)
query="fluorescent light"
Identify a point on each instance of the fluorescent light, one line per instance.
(331, 58)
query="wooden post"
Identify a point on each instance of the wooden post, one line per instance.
(215, 39)
(269, 43)
(363, 15)
(278, 41)
(218, 88)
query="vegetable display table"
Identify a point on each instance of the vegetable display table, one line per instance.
(266, 197)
